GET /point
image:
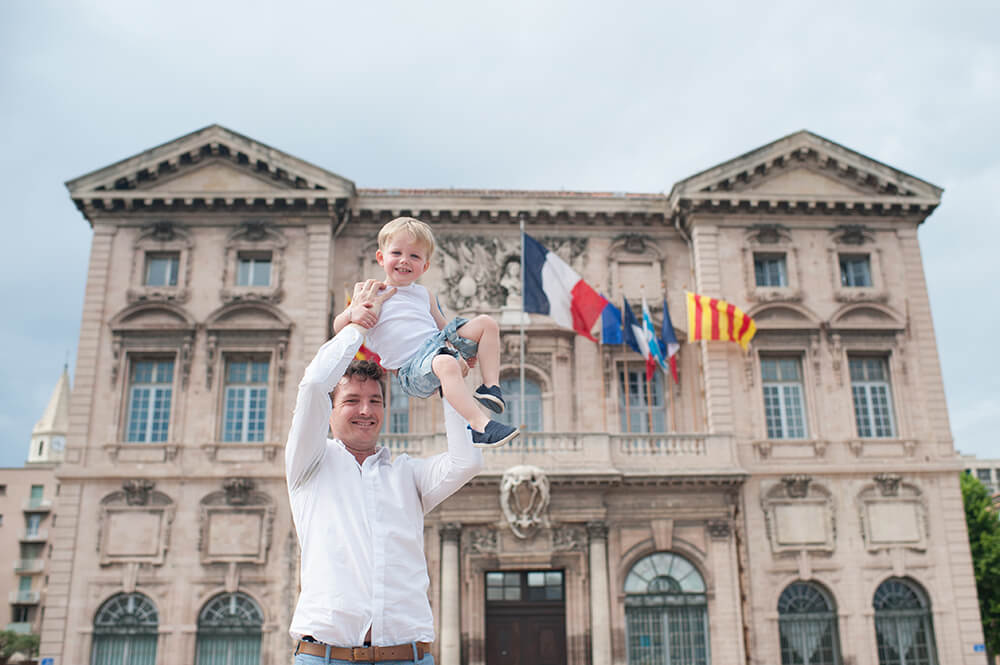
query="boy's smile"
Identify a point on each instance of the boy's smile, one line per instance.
(404, 260)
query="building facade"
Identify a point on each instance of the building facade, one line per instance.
(27, 497)
(797, 503)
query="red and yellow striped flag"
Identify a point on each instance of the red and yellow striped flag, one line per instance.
(711, 318)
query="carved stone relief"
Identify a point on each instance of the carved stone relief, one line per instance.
(235, 524)
(893, 515)
(482, 273)
(569, 538)
(799, 516)
(524, 499)
(481, 540)
(134, 524)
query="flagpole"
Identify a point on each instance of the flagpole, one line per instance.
(666, 379)
(523, 316)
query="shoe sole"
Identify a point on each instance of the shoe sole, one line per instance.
(490, 402)
(513, 435)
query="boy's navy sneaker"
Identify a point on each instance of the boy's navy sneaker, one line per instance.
(491, 398)
(495, 434)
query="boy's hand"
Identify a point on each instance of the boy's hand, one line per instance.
(366, 304)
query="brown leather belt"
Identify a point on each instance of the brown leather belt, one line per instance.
(365, 654)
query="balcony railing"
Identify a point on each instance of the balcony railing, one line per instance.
(37, 505)
(34, 535)
(20, 627)
(29, 566)
(669, 454)
(25, 597)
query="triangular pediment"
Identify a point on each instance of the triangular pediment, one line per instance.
(218, 177)
(213, 159)
(807, 169)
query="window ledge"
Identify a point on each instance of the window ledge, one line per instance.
(775, 294)
(882, 447)
(157, 294)
(256, 293)
(850, 294)
(791, 448)
(141, 452)
(241, 452)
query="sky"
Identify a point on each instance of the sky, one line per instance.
(582, 95)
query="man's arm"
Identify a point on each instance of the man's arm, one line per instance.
(310, 422)
(441, 476)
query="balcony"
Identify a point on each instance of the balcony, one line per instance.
(29, 566)
(25, 597)
(34, 535)
(575, 452)
(20, 627)
(37, 505)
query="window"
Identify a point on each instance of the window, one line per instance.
(666, 612)
(399, 407)
(641, 402)
(511, 388)
(32, 522)
(872, 397)
(253, 269)
(533, 586)
(24, 583)
(807, 626)
(229, 631)
(3, 490)
(37, 491)
(245, 397)
(125, 631)
(21, 614)
(161, 269)
(1, 520)
(784, 404)
(769, 270)
(903, 629)
(31, 550)
(855, 270)
(150, 392)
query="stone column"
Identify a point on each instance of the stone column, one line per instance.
(451, 626)
(600, 600)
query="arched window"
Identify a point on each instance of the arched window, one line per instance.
(666, 612)
(229, 631)
(125, 631)
(903, 626)
(511, 387)
(807, 626)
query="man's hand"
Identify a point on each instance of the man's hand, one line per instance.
(366, 303)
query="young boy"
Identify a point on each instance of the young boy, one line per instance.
(413, 337)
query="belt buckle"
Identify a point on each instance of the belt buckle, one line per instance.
(362, 654)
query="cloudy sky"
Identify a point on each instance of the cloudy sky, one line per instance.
(513, 94)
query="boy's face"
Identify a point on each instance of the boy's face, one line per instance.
(404, 260)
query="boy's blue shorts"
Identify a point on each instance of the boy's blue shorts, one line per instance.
(416, 376)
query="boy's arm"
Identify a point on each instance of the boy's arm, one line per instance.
(436, 312)
(356, 312)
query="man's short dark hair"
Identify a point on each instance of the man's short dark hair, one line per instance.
(363, 370)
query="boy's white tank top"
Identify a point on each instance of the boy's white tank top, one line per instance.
(403, 325)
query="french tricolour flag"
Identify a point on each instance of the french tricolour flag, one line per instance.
(551, 287)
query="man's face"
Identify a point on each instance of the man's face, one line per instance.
(357, 412)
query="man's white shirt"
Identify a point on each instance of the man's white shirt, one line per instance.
(361, 526)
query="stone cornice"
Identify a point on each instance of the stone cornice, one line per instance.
(157, 202)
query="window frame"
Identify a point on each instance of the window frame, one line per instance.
(869, 384)
(760, 257)
(161, 238)
(172, 275)
(245, 387)
(845, 259)
(656, 421)
(777, 356)
(128, 387)
(252, 259)
(828, 615)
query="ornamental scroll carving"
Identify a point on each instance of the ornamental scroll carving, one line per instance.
(133, 525)
(800, 516)
(524, 499)
(236, 523)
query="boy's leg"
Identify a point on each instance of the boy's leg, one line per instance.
(484, 330)
(449, 373)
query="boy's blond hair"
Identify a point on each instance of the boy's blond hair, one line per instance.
(420, 232)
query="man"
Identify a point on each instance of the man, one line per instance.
(358, 513)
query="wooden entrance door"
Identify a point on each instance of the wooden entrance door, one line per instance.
(525, 618)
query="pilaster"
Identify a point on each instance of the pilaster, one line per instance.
(451, 629)
(600, 601)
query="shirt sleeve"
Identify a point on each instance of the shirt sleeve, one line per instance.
(306, 443)
(442, 475)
